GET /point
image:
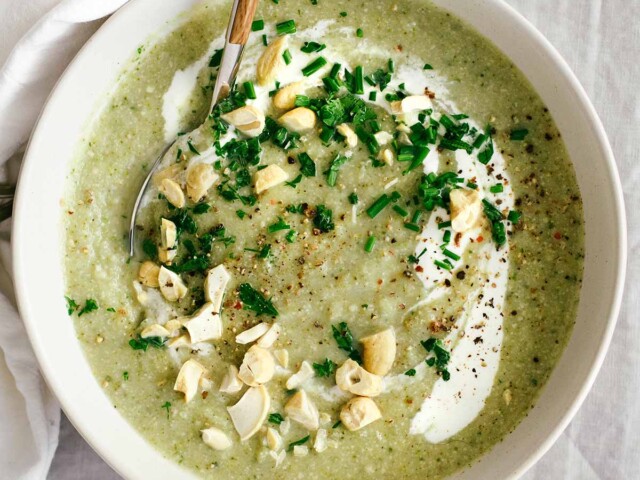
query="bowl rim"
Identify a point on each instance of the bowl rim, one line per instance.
(20, 230)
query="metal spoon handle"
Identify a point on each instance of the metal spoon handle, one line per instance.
(238, 31)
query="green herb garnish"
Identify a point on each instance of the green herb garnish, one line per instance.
(72, 306)
(278, 226)
(253, 300)
(411, 372)
(314, 66)
(519, 134)
(307, 165)
(344, 338)
(167, 407)
(302, 441)
(90, 305)
(257, 25)
(276, 418)
(334, 166)
(286, 27)
(323, 219)
(325, 369)
(140, 343)
(371, 241)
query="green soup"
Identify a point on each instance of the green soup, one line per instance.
(362, 237)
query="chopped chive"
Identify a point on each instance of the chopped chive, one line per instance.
(518, 135)
(450, 254)
(359, 33)
(286, 55)
(257, 25)
(359, 89)
(265, 42)
(192, 148)
(472, 185)
(286, 27)
(427, 67)
(400, 211)
(497, 188)
(311, 47)
(353, 198)
(331, 85)
(279, 225)
(514, 216)
(443, 265)
(401, 87)
(412, 226)
(314, 66)
(378, 205)
(373, 96)
(446, 238)
(442, 225)
(291, 236)
(416, 216)
(371, 241)
(335, 70)
(419, 157)
(249, 90)
(391, 66)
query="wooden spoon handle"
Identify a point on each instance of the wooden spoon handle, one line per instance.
(242, 21)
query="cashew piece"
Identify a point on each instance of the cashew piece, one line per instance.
(298, 120)
(148, 274)
(257, 367)
(351, 377)
(248, 120)
(301, 409)
(466, 208)
(285, 98)
(359, 412)
(269, 177)
(379, 351)
(350, 137)
(271, 61)
(172, 192)
(200, 178)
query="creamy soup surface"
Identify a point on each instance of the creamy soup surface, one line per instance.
(364, 262)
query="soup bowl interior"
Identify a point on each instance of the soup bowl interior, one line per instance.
(82, 91)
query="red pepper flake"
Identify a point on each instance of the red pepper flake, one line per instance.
(379, 281)
(419, 268)
(480, 239)
(557, 235)
(238, 305)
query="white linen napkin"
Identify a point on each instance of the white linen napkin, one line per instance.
(29, 413)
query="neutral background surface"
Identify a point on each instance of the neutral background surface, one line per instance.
(601, 42)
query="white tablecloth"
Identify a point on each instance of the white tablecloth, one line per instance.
(601, 42)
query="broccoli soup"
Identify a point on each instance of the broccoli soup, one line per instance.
(364, 262)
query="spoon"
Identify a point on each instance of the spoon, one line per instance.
(236, 38)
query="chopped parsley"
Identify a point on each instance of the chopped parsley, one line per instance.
(323, 219)
(144, 343)
(344, 338)
(253, 300)
(294, 183)
(201, 208)
(353, 198)
(72, 306)
(411, 372)
(325, 369)
(125, 376)
(439, 356)
(494, 215)
(167, 407)
(307, 165)
(90, 305)
(278, 226)
(334, 166)
(276, 418)
(518, 134)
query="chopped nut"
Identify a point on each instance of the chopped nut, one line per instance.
(379, 351)
(383, 137)
(298, 120)
(268, 339)
(300, 450)
(214, 286)
(154, 330)
(271, 61)
(216, 438)
(250, 412)
(172, 192)
(320, 443)
(148, 274)
(350, 137)
(171, 172)
(301, 409)
(230, 382)
(205, 324)
(411, 103)
(285, 98)
(466, 208)
(200, 178)
(282, 356)
(189, 379)
(253, 333)
(359, 412)
(269, 177)
(351, 377)
(305, 373)
(171, 285)
(257, 367)
(274, 440)
(248, 120)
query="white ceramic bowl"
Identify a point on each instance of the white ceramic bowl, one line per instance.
(37, 236)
